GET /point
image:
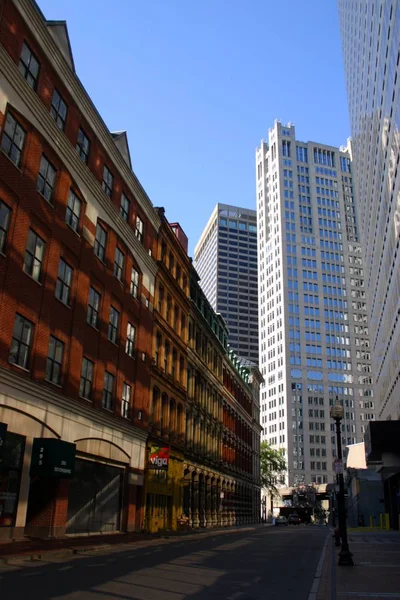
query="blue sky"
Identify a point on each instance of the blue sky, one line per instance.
(197, 84)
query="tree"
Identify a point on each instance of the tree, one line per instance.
(273, 467)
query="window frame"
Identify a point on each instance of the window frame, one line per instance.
(63, 284)
(122, 208)
(36, 260)
(16, 125)
(98, 244)
(55, 110)
(119, 265)
(113, 325)
(85, 380)
(46, 183)
(83, 155)
(51, 361)
(107, 396)
(19, 341)
(130, 340)
(107, 183)
(72, 218)
(4, 225)
(134, 283)
(139, 229)
(126, 402)
(92, 309)
(26, 67)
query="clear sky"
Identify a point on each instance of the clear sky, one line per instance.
(197, 84)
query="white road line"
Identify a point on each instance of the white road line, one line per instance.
(370, 594)
(314, 588)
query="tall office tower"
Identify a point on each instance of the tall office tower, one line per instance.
(314, 342)
(225, 257)
(371, 40)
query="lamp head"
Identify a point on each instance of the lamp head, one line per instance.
(337, 411)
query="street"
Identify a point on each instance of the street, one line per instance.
(266, 562)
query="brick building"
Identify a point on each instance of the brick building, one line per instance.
(77, 234)
(97, 318)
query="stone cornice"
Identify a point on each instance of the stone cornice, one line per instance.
(41, 392)
(53, 54)
(62, 146)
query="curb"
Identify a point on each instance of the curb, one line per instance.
(318, 573)
(163, 538)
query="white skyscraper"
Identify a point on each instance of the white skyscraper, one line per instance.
(313, 330)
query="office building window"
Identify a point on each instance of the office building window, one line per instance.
(93, 308)
(58, 110)
(64, 282)
(34, 255)
(108, 391)
(139, 229)
(134, 287)
(130, 340)
(126, 401)
(83, 145)
(119, 264)
(100, 242)
(54, 360)
(46, 179)
(13, 139)
(5, 214)
(29, 66)
(125, 207)
(113, 325)
(108, 181)
(86, 381)
(73, 211)
(21, 342)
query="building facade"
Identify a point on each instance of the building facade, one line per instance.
(314, 338)
(76, 286)
(226, 259)
(370, 40)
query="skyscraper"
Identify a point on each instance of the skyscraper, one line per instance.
(371, 41)
(314, 340)
(225, 257)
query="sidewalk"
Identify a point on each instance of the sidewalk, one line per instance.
(375, 574)
(36, 548)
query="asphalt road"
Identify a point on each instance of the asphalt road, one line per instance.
(265, 563)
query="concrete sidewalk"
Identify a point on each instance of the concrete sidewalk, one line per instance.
(35, 549)
(376, 571)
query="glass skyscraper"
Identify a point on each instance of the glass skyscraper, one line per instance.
(313, 326)
(371, 49)
(225, 258)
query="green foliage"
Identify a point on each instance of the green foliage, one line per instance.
(273, 467)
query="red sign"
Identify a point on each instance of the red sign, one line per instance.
(159, 457)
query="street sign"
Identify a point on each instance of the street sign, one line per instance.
(159, 457)
(52, 458)
(338, 467)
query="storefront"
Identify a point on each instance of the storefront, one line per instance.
(11, 457)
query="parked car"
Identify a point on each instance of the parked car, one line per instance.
(294, 519)
(281, 520)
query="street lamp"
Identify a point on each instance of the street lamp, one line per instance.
(345, 556)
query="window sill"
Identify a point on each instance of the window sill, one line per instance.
(113, 343)
(100, 259)
(63, 303)
(19, 366)
(72, 229)
(18, 167)
(33, 279)
(45, 199)
(52, 383)
(110, 410)
(92, 326)
(85, 399)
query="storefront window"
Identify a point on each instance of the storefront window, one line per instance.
(10, 476)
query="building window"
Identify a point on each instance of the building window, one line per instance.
(5, 214)
(85, 384)
(73, 211)
(134, 287)
(29, 66)
(100, 242)
(139, 229)
(125, 207)
(46, 178)
(113, 325)
(108, 391)
(93, 308)
(108, 181)
(126, 401)
(58, 110)
(13, 140)
(34, 255)
(130, 340)
(64, 282)
(158, 349)
(54, 360)
(21, 341)
(119, 264)
(83, 145)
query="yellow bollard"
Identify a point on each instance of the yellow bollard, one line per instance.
(381, 521)
(370, 522)
(387, 522)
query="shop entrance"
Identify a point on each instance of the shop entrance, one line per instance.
(95, 498)
(10, 477)
(158, 512)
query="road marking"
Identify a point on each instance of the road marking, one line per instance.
(370, 594)
(235, 595)
(66, 568)
(314, 588)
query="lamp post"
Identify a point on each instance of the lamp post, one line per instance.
(345, 556)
